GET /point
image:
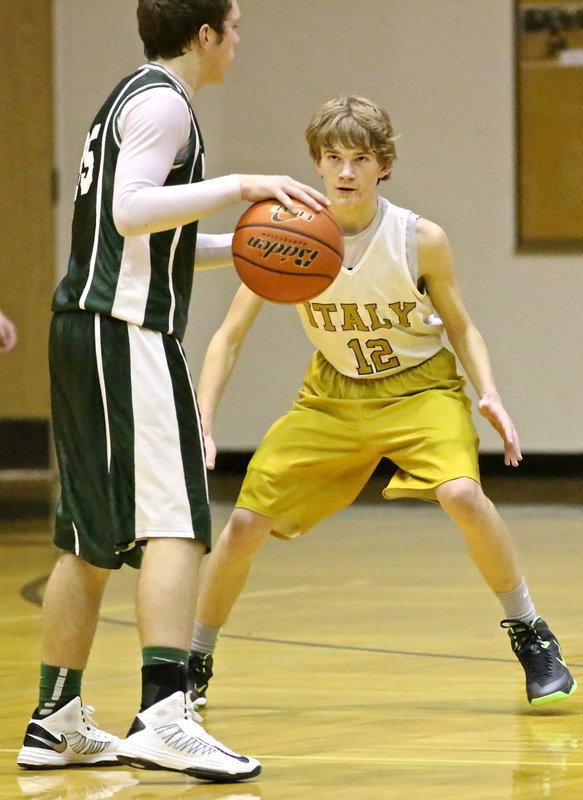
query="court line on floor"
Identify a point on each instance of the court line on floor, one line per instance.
(31, 592)
(344, 759)
(363, 649)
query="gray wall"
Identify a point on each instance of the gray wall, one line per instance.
(444, 69)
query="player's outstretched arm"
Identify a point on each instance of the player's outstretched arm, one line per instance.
(154, 129)
(436, 268)
(8, 335)
(221, 356)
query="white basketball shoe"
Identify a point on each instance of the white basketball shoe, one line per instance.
(67, 738)
(167, 736)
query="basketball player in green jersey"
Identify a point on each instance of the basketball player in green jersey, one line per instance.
(381, 383)
(126, 424)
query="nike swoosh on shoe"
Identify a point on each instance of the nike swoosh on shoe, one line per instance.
(59, 746)
(242, 759)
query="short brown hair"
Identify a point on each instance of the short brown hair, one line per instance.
(352, 122)
(167, 27)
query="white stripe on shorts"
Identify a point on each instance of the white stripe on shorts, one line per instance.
(76, 535)
(198, 424)
(102, 388)
(162, 507)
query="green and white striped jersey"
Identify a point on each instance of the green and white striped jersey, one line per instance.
(144, 279)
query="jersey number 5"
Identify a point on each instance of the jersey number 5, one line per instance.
(380, 354)
(87, 163)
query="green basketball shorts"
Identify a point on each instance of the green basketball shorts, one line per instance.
(128, 439)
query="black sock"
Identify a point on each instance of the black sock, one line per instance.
(160, 681)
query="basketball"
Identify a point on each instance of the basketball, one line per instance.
(285, 257)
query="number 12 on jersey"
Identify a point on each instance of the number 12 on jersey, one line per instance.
(380, 356)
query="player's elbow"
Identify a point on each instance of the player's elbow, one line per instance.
(122, 228)
(230, 344)
(128, 215)
(456, 333)
(125, 225)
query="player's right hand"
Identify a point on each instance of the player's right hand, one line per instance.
(282, 188)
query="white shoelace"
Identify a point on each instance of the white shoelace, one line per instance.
(87, 716)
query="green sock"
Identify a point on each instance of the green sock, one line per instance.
(163, 655)
(58, 686)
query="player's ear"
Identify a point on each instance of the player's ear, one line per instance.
(204, 36)
(317, 166)
(385, 170)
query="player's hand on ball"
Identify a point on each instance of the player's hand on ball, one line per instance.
(282, 188)
(492, 409)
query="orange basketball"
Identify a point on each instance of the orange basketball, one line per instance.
(285, 257)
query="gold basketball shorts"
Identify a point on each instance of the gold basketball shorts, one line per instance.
(317, 458)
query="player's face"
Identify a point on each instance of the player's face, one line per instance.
(350, 176)
(223, 49)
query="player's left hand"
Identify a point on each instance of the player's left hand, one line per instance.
(492, 409)
(210, 451)
(282, 188)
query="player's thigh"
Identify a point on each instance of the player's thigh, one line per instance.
(309, 465)
(431, 439)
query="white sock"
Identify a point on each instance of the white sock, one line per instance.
(204, 638)
(517, 604)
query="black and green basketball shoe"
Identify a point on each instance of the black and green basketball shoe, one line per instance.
(200, 671)
(547, 676)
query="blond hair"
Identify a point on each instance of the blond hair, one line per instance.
(353, 122)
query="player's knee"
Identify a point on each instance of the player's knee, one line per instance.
(72, 570)
(73, 564)
(462, 498)
(246, 531)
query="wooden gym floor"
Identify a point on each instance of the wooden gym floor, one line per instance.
(363, 662)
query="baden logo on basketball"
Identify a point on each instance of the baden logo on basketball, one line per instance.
(302, 257)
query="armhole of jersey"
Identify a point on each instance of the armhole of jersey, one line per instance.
(411, 251)
(194, 142)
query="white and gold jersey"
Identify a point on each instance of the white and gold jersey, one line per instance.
(373, 321)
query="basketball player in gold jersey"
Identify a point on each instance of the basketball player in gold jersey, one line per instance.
(381, 383)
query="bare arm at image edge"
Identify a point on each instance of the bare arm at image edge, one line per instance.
(8, 335)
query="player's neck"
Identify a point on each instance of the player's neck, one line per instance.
(354, 219)
(185, 67)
